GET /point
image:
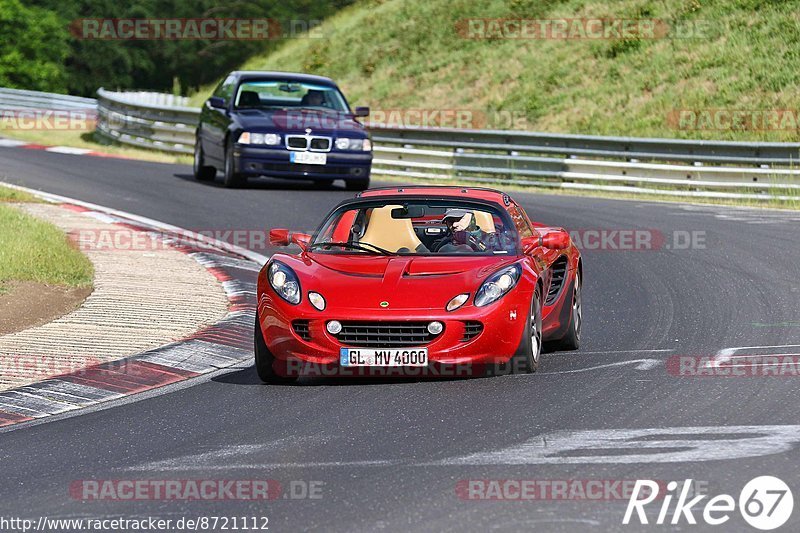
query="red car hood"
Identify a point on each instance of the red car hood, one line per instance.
(406, 282)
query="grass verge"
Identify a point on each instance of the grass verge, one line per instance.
(34, 250)
(13, 195)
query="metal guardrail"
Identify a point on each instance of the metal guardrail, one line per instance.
(14, 99)
(147, 120)
(706, 169)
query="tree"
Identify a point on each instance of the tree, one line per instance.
(32, 49)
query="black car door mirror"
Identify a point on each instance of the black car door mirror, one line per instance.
(362, 112)
(217, 102)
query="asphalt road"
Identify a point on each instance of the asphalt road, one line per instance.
(390, 456)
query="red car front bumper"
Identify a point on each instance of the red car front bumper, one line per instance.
(503, 324)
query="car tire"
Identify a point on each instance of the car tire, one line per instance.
(202, 172)
(265, 360)
(231, 178)
(526, 360)
(572, 339)
(356, 184)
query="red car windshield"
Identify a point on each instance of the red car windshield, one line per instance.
(418, 227)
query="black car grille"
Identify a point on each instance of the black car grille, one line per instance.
(300, 327)
(385, 334)
(297, 142)
(301, 142)
(559, 270)
(471, 330)
(320, 143)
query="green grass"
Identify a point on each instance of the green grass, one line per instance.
(401, 54)
(13, 195)
(83, 139)
(33, 250)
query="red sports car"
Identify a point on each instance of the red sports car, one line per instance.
(415, 280)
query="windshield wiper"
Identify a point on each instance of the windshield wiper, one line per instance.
(364, 247)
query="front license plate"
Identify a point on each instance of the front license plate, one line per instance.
(383, 357)
(308, 158)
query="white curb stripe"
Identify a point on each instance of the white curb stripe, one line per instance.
(68, 150)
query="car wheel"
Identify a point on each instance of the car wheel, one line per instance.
(265, 361)
(526, 360)
(572, 339)
(356, 184)
(231, 177)
(202, 172)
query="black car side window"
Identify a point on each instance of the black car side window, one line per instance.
(225, 89)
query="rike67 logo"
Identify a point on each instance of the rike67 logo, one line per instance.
(765, 503)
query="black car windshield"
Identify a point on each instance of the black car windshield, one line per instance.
(285, 94)
(417, 227)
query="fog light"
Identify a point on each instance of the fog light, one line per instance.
(334, 327)
(434, 328)
(316, 300)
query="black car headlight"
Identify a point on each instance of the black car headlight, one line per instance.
(284, 281)
(360, 145)
(497, 285)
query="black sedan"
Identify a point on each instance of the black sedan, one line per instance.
(281, 125)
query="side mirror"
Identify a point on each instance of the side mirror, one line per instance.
(279, 237)
(301, 240)
(284, 237)
(556, 240)
(362, 111)
(217, 102)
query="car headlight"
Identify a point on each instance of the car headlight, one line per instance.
(270, 139)
(497, 285)
(358, 145)
(284, 281)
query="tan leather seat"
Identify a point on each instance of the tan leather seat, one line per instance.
(390, 233)
(485, 221)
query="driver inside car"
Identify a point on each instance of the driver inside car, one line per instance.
(464, 235)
